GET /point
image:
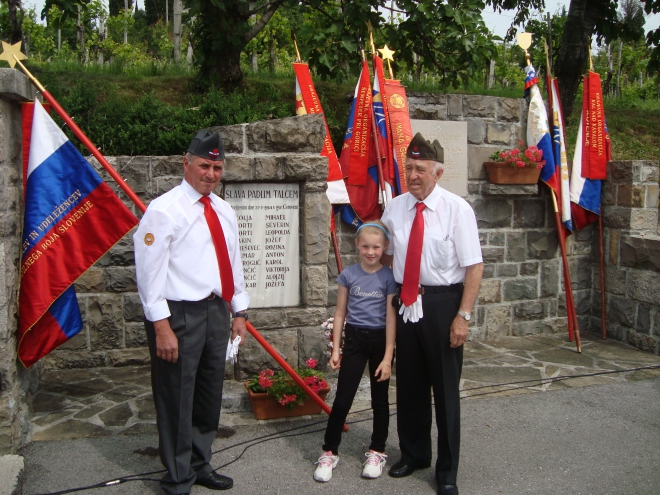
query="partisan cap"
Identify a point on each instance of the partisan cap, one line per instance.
(420, 149)
(207, 145)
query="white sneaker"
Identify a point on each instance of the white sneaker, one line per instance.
(373, 466)
(326, 463)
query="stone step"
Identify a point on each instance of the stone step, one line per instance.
(11, 474)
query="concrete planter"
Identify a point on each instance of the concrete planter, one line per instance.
(504, 173)
(264, 406)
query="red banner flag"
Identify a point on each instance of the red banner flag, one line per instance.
(361, 141)
(310, 103)
(400, 129)
(364, 198)
(594, 137)
(382, 119)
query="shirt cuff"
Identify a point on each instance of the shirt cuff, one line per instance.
(240, 302)
(158, 311)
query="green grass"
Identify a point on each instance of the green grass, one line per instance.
(634, 127)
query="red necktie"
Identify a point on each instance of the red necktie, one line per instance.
(410, 287)
(218, 236)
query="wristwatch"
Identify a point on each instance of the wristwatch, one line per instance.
(466, 316)
(242, 314)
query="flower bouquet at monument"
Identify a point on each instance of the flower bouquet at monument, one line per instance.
(280, 388)
(517, 166)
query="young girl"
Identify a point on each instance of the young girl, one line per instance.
(365, 292)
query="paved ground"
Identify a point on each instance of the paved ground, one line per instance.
(577, 438)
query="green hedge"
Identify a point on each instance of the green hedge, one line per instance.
(147, 126)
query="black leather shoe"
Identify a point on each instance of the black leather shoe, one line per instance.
(401, 469)
(447, 490)
(215, 481)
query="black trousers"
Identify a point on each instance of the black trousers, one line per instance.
(188, 393)
(361, 345)
(426, 362)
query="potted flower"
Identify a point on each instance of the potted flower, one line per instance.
(516, 166)
(276, 395)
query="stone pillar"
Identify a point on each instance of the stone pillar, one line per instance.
(16, 383)
(632, 249)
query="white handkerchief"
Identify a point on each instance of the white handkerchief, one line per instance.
(414, 312)
(232, 350)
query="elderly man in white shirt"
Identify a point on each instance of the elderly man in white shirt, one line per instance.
(189, 270)
(437, 262)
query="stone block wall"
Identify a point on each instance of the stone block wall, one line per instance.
(285, 150)
(632, 255)
(522, 292)
(17, 385)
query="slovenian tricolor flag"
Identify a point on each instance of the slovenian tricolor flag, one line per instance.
(72, 218)
(538, 133)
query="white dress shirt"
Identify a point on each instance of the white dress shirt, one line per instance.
(451, 238)
(174, 254)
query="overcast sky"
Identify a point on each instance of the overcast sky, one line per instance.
(497, 23)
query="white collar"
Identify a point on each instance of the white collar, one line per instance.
(431, 201)
(193, 195)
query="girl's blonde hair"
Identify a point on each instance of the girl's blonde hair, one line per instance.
(373, 227)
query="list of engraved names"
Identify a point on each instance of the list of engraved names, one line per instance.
(268, 228)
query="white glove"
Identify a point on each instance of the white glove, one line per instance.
(414, 312)
(232, 350)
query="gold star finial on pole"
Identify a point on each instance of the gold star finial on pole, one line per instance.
(386, 53)
(12, 53)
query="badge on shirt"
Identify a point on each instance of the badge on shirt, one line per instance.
(149, 239)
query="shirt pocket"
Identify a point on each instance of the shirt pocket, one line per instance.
(442, 252)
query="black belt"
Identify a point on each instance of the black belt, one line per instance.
(364, 329)
(434, 289)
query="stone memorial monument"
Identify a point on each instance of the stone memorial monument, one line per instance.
(453, 138)
(268, 228)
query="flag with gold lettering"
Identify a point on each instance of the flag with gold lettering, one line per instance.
(382, 120)
(586, 192)
(72, 218)
(594, 141)
(307, 101)
(394, 94)
(362, 177)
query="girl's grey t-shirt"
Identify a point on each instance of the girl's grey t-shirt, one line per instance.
(367, 295)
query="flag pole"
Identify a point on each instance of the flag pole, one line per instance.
(287, 367)
(568, 288)
(84, 139)
(335, 243)
(374, 131)
(131, 194)
(525, 41)
(603, 312)
(601, 245)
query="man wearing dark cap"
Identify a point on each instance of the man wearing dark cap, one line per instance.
(189, 271)
(438, 265)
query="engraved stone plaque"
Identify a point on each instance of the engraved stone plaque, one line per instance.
(453, 138)
(268, 228)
